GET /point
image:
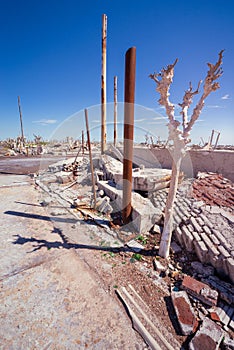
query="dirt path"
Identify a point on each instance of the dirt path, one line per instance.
(50, 299)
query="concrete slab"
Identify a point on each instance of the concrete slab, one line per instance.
(143, 179)
(144, 214)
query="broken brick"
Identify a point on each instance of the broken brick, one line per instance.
(200, 291)
(209, 336)
(185, 314)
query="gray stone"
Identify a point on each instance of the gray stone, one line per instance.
(158, 266)
(135, 246)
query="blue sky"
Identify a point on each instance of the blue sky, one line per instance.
(51, 57)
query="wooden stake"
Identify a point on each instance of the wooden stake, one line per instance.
(129, 99)
(103, 87)
(90, 157)
(115, 110)
(21, 121)
(82, 142)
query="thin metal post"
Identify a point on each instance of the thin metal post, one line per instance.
(129, 99)
(115, 110)
(103, 87)
(90, 157)
(21, 121)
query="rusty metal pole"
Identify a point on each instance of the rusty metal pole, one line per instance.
(129, 99)
(115, 110)
(82, 142)
(90, 158)
(21, 121)
(103, 87)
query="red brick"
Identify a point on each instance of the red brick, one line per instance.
(200, 290)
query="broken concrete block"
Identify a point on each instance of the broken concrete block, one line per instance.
(158, 266)
(144, 214)
(200, 290)
(156, 229)
(104, 205)
(222, 313)
(64, 177)
(209, 336)
(184, 312)
(135, 246)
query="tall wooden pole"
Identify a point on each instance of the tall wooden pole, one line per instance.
(90, 158)
(103, 88)
(21, 121)
(82, 142)
(129, 99)
(115, 110)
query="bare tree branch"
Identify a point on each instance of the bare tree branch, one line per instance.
(187, 100)
(163, 87)
(214, 72)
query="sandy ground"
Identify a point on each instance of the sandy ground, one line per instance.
(50, 299)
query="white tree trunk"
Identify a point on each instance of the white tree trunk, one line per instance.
(165, 242)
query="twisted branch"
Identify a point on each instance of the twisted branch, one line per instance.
(163, 87)
(214, 72)
(187, 101)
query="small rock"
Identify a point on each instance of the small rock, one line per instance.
(158, 266)
(156, 229)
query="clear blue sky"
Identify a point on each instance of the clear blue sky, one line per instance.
(51, 57)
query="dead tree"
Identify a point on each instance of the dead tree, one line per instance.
(180, 136)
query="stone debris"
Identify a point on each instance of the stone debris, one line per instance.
(200, 290)
(209, 336)
(198, 227)
(184, 312)
(135, 246)
(214, 189)
(159, 266)
(143, 179)
(144, 215)
(222, 313)
(103, 205)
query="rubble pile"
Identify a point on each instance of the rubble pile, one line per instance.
(203, 302)
(214, 189)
